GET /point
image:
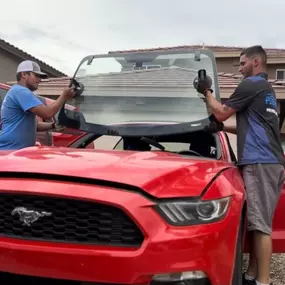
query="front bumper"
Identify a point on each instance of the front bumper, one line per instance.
(166, 249)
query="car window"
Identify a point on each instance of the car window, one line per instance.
(105, 142)
(206, 148)
(170, 146)
(177, 147)
(116, 143)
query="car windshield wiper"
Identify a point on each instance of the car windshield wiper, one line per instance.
(153, 143)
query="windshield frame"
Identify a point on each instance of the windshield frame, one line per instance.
(76, 120)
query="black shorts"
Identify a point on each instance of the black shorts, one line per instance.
(263, 184)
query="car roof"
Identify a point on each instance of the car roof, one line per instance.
(5, 86)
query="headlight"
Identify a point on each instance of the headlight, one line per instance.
(184, 213)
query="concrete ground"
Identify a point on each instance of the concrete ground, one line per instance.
(277, 268)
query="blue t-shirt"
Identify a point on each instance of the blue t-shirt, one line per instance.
(19, 125)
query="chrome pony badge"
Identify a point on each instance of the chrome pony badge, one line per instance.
(29, 216)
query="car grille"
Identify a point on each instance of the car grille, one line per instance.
(73, 221)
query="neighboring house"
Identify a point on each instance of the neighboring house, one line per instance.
(11, 56)
(227, 58)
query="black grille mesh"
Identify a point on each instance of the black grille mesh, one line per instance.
(73, 221)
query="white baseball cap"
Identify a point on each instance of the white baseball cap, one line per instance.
(31, 66)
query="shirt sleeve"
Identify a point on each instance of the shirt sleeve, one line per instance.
(242, 96)
(26, 99)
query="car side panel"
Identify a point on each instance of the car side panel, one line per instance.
(279, 224)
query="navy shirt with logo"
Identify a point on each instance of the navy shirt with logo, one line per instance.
(258, 136)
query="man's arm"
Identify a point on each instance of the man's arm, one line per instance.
(221, 111)
(44, 127)
(47, 112)
(240, 99)
(230, 129)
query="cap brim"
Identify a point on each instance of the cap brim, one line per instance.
(41, 74)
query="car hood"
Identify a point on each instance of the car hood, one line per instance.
(161, 174)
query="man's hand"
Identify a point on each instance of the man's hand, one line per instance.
(44, 127)
(58, 128)
(214, 126)
(203, 85)
(68, 93)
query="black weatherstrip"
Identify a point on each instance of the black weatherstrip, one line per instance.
(213, 180)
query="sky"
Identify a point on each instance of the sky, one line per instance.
(61, 33)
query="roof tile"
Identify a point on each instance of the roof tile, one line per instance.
(271, 52)
(54, 86)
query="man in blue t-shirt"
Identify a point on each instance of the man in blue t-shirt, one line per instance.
(260, 154)
(20, 108)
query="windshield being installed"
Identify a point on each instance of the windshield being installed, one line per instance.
(124, 88)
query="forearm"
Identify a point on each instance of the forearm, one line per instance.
(230, 129)
(221, 112)
(43, 127)
(56, 105)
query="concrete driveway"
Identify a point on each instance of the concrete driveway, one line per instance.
(277, 268)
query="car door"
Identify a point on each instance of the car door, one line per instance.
(278, 235)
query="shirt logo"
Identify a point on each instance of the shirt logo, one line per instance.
(271, 103)
(270, 100)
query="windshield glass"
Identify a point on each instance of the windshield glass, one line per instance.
(143, 87)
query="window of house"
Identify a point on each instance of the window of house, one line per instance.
(280, 74)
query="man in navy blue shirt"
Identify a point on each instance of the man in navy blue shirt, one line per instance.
(260, 154)
(20, 107)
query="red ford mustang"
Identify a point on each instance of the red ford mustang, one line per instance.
(159, 201)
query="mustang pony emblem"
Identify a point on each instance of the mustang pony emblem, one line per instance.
(29, 216)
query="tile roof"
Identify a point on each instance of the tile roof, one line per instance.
(271, 52)
(53, 86)
(232, 80)
(24, 55)
(146, 78)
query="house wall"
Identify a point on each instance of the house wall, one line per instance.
(231, 65)
(8, 66)
(271, 69)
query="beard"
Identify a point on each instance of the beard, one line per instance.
(248, 72)
(31, 87)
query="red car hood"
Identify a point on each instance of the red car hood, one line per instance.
(161, 174)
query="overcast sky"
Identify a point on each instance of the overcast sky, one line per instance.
(61, 32)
